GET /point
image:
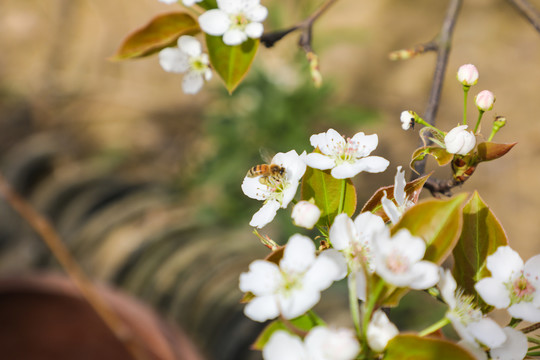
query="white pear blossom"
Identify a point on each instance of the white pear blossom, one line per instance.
(354, 240)
(512, 284)
(467, 74)
(347, 157)
(169, 2)
(398, 260)
(185, 2)
(380, 331)
(305, 214)
(459, 140)
(321, 343)
(394, 211)
(187, 58)
(407, 120)
(293, 287)
(235, 20)
(276, 193)
(514, 348)
(470, 324)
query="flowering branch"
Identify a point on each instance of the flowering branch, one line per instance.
(528, 11)
(51, 238)
(443, 51)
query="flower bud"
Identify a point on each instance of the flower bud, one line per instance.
(380, 330)
(459, 141)
(484, 100)
(305, 214)
(407, 119)
(467, 74)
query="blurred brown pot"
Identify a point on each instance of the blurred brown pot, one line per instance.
(44, 317)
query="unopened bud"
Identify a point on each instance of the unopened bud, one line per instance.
(484, 100)
(459, 140)
(316, 76)
(305, 214)
(467, 74)
(380, 330)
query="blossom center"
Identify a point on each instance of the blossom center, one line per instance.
(397, 263)
(359, 255)
(239, 21)
(291, 282)
(521, 289)
(465, 310)
(197, 64)
(348, 151)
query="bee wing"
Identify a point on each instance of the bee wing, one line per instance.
(266, 155)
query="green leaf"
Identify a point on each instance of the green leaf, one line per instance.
(438, 153)
(439, 223)
(208, 4)
(231, 62)
(160, 32)
(490, 151)
(302, 323)
(412, 191)
(412, 347)
(481, 235)
(326, 191)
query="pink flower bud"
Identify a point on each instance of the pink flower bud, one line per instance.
(484, 100)
(459, 140)
(305, 214)
(467, 74)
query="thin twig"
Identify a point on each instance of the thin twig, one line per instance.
(443, 41)
(531, 328)
(51, 238)
(527, 10)
(269, 39)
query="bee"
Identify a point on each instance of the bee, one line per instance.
(271, 174)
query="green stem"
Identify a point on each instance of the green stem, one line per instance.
(421, 121)
(353, 303)
(465, 93)
(439, 324)
(342, 196)
(481, 113)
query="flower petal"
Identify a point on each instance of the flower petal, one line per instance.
(365, 143)
(253, 188)
(263, 278)
(372, 164)
(284, 346)
(399, 186)
(531, 270)
(514, 348)
(292, 162)
(299, 254)
(487, 331)
(234, 37)
(329, 143)
(342, 232)
(262, 308)
(298, 301)
(189, 45)
(265, 215)
(214, 22)
(345, 171)
(360, 278)
(493, 292)
(390, 209)
(256, 13)
(173, 60)
(325, 270)
(426, 275)
(319, 161)
(192, 82)
(323, 343)
(447, 286)
(526, 311)
(504, 263)
(254, 30)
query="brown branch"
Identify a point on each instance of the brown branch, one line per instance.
(527, 10)
(51, 238)
(443, 41)
(531, 328)
(404, 54)
(269, 39)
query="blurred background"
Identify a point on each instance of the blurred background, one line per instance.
(143, 181)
